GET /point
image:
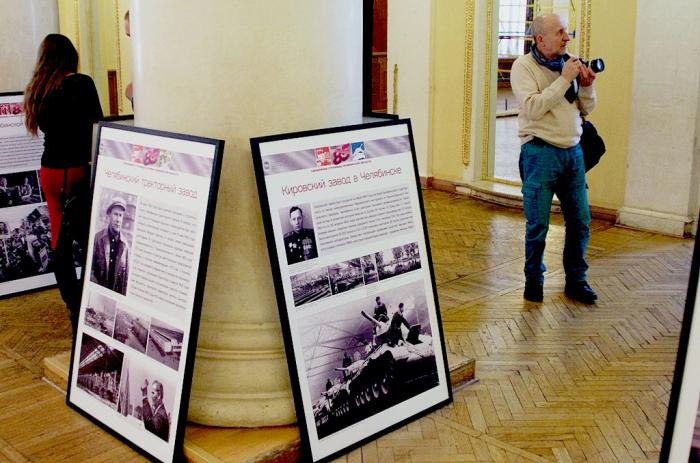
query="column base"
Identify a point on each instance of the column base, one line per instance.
(659, 222)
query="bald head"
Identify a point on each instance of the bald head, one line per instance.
(550, 34)
(543, 22)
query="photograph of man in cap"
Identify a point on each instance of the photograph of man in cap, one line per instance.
(110, 256)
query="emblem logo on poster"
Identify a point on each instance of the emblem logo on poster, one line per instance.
(150, 156)
(358, 151)
(341, 153)
(10, 109)
(323, 156)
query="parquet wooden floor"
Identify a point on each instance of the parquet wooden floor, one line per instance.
(559, 381)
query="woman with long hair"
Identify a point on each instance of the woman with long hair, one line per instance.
(64, 105)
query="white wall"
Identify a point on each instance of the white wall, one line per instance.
(662, 179)
(408, 46)
(23, 25)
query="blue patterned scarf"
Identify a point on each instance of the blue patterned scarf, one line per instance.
(556, 65)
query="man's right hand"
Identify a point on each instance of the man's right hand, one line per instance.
(571, 69)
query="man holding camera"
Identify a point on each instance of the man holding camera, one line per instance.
(553, 89)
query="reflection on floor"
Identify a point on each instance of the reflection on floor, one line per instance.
(559, 381)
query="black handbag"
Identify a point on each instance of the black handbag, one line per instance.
(592, 145)
(76, 212)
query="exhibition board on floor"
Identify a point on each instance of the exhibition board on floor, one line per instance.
(26, 258)
(681, 441)
(351, 262)
(154, 196)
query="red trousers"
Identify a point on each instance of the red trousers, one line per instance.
(52, 185)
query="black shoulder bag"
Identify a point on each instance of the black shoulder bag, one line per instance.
(592, 145)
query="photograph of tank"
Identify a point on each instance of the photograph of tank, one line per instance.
(100, 313)
(310, 286)
(368, 355)
(131, 329)
(99, 370)
(369, 270)
(165, 344)
(345, 275)
(25, 243)
(397, 261)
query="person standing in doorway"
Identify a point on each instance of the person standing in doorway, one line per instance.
(553, 89)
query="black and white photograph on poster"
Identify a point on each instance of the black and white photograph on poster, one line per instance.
(310, 286)
(358, 365)
(25, 245)
(379, 304)
(369, 270)
(131, 329)
(18, 188)
(151, 221)
(345, 275)
(398, 260)
(100, 313)
(299, 236)
(112, 242)
(146, 398)
(165, 344)
(100, 371)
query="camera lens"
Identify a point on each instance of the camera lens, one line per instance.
(597, 65)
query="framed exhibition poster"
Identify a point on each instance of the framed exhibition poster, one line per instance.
(682, 434)
(154, 195)
(26, 258)
(349, 250)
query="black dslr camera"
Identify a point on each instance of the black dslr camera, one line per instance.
(597, 64)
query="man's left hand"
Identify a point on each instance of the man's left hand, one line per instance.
(586, 76)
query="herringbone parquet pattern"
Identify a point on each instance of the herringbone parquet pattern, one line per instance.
(559, 381)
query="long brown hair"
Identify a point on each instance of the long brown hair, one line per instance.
(57, 58)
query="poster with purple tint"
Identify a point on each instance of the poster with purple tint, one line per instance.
(350, 255)
(154, 195)
(26, 258)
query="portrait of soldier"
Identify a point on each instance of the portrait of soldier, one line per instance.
(110, 256)
(300, 243)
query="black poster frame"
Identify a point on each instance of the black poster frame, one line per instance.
(681, 357)
(189, 358)
(282, 302)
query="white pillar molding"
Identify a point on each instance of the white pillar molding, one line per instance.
(662, 177)
(23, 25)
(236, 69)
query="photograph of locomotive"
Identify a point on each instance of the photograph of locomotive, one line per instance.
(367, 356)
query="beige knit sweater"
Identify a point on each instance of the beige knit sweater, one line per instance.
(544, 112)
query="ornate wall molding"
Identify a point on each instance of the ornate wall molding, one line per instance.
(585, 43)
(487, 90)
(468, 77)
(117, 17)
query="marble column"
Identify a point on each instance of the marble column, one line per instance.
(662, 193)
(23, 25)
(235, 69)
